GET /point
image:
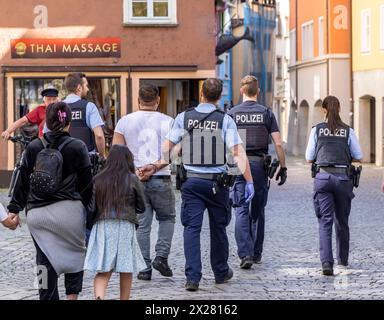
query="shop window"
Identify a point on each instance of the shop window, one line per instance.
(382, 27)
(104, 93)
(366, 31)
(150, 12)
(307, 40)
(292, 46)
(28, 97)
(321, 36)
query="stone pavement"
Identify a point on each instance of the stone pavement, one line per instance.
(290, 268)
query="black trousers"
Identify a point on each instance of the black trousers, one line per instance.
(48, 278)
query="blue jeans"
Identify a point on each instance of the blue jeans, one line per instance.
(197, 195)
(159, 198)
(250, 218)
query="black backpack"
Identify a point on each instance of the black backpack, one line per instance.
(48, 171)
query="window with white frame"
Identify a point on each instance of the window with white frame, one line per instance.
(382, 27)
(279, 26)
(292, 47)
(149, 12)
(307, 40)
(279, 62)
(286, 27)
(366, 31)
(321, 36)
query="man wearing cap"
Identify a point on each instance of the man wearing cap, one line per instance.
(36, 116)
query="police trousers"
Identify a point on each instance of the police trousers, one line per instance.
(197, 195)
(332, 198)
(250, 218)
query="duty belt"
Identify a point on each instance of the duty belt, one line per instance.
(334, 170)
(161, 177)
(206, 176)
(256, 158)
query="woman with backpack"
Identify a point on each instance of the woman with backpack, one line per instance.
(112, 245)
(55, 186)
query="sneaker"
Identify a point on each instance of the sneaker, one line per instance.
(226, 278)
(161, 265)
(327, 269)
(246, 262)
(191, 286)
(144, 275)
(256, 259)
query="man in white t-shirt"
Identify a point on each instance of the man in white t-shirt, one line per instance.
(144, 132)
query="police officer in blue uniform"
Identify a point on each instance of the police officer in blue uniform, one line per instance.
(206, 133)
(87, 124)
(256, 123)
(331, 148)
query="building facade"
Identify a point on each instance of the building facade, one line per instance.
(368, 77)
(320, 64)
(282, 85)
(255, 57)
(118, 46)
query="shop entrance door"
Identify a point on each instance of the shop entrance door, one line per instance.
(104, 93)
(176, 95)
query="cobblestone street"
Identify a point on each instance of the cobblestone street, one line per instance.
(290, 267)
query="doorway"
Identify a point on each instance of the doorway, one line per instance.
(292, 130)
(318, 114)
(303, 126)
(372, 111)
(105, 94)
(176, 95)
(367, 126)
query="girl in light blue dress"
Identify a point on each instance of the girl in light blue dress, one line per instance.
(118, 197)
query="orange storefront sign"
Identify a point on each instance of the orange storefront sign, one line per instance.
(65, 48)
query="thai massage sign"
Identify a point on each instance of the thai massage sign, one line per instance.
(65, 48)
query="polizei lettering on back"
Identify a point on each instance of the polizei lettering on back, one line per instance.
(77, 115)
(249, 118)
(325, 132)
(205, 125)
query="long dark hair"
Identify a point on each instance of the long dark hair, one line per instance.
(113, 184)
(332, 105)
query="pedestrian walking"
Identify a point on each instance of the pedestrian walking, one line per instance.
(259, 123)
(36, 116)
(55, 186)
(112, 244)
(331, 149)
(206, 134)
(143, 132)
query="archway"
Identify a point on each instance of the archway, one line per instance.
(318, 115)
(292, 129)
(303, 117)
(367, 127)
